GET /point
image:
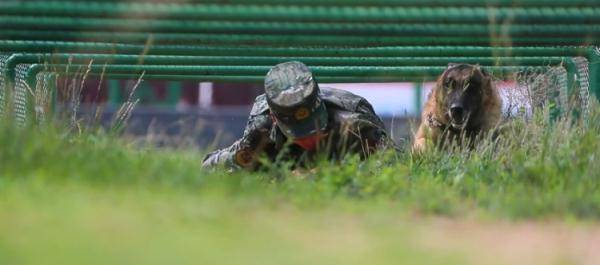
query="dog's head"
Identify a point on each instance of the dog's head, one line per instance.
(461, 92)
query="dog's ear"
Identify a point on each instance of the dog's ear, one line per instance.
(486, 80)
(483, 71)
(445, 73)
(486, 75)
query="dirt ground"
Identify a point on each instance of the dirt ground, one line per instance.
(515, 242)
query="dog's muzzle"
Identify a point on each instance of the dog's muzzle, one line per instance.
(458, 117)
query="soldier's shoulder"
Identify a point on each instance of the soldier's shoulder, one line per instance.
(350, 109)
(342, 99)
(260, 105)
(346, 100)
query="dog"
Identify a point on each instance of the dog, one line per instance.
(463, 105)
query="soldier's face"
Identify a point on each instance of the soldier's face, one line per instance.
(308, 143)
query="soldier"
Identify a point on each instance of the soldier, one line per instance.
(295, 120)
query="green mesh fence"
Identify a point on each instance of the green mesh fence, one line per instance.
(583, 81)
(3, 92)
(21, 95)
(535, 89)
(44, 86)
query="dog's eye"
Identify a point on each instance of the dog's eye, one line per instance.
(448, 84)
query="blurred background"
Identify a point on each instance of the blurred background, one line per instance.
(213, 114)
(371, 43)
(216, 113)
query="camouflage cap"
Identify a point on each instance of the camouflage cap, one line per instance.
(293, 97)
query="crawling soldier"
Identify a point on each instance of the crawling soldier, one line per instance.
(295, 120)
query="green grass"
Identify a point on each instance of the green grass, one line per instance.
(95, 199)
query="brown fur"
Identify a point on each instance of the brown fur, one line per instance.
(485, 107)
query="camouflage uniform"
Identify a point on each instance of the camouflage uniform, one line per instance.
(352, 128)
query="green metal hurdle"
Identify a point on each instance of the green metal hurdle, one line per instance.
(348, 40)
(33, 75)
(31, 23)
(258, 12)
(246, 23)
(376, 55)
(16, 59)
(469, 3)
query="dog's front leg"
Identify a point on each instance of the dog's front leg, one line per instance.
(420, 143)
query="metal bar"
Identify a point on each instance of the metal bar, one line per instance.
(289, 40)
(174, 92)
(306, 13)
(470, 3)
(101, 60)
(247, 79)
(16, 59)
(418, 90)
(246, 74)
(213, 61)
(398, 51)
(350, 71)
(21, 58)
(371, 29)
(114, 91)
(594, 71)
(261, 79)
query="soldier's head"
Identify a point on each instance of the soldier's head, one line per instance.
(294, 101)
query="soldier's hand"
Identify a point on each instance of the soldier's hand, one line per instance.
(245, 158)
(255, 139)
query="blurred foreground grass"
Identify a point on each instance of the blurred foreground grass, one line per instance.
(94, 199)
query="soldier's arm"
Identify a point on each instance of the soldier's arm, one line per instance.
(374, 138)
(372, 131)
(244, 152)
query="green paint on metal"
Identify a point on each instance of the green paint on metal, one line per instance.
(418, 90)
(594, 71)
(332, 74)
(398, 51)
(355, 14)
(112, 59)
(198, 71)
(68, 24)
(114, 92)
(174, 91)
(422, 3)
(349, 71)
(296, 40)
(143, 91)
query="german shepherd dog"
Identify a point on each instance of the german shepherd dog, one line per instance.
(463, 104)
